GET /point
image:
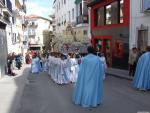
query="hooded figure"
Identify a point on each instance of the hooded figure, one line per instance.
(142, 73)
(88, 91)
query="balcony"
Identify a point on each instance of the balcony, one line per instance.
(32, 25)
(8, 8)
(6, 18)
(2, 3)
(82, 19)
(32, 34)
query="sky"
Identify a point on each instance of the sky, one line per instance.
(40, 7)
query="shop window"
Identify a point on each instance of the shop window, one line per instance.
(100, 16)
(119, 48)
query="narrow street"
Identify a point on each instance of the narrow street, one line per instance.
(42, 95)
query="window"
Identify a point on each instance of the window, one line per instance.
(69, 15)
(114, 12)
(100, 16)
(57, 8)
(65, 19)
(81, 8)
(84, 8)
(85, 32)
(59, 5)
(14, 38)
(108, 14)
(145, 5)
(62, 20)
(62, 2)
(72, 13)
(121, 11)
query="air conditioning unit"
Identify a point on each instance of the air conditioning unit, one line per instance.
(146, 5)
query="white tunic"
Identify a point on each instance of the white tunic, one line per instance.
(102, 58)
(74, 70)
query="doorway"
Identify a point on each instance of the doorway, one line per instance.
(104, 45)
(142, 41)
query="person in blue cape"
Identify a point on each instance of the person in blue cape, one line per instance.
(88, 90)
(141, 79)
(35, 64)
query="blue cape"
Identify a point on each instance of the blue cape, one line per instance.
(142, 74)
(88, 91)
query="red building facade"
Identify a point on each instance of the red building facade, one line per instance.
(110, 30)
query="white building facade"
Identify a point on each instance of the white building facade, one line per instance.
(5, 21)
(139, 24)
(14, 30)
(65, 14)
(72, 25)
(35, 31)
(82, 22)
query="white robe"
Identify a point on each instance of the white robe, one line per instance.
(74, 70)
(102, 58)
(35, 65)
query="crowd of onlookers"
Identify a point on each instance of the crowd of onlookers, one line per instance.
(134, 56)
(13, 61)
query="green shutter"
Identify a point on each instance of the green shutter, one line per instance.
(77, 1)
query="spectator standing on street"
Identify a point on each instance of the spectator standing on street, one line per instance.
(28, 58)
(88, 91)
(142, 75)
(132, 61)
(18, 61)
(9, 65)
(103, 59)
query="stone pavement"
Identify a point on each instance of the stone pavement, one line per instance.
(11, 88)
(119, 73)
(42, 95)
